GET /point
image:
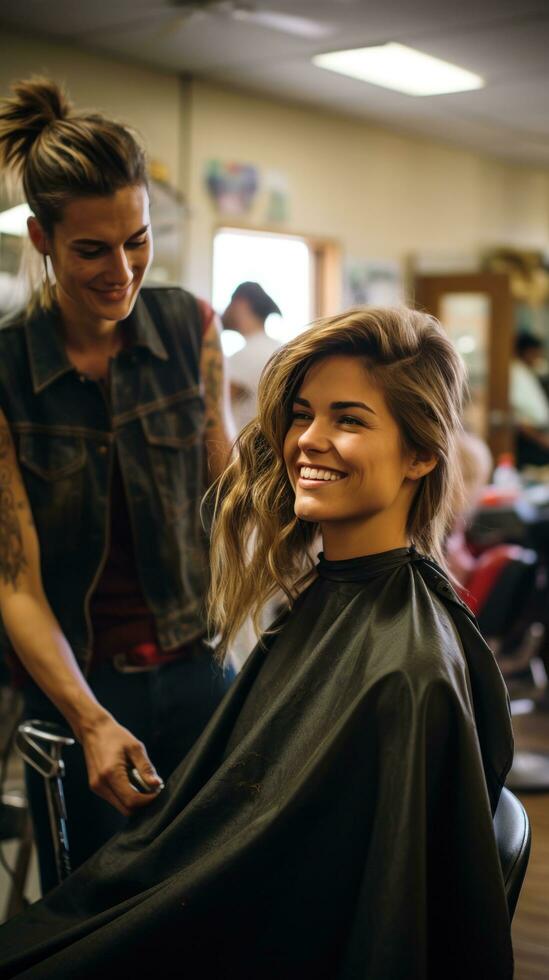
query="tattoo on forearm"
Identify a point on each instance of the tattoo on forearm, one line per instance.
(12, 555)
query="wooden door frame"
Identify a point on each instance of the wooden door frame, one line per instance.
(428, 291)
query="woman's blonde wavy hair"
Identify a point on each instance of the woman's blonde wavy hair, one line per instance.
(258, 545)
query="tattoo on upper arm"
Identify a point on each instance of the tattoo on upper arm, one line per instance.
(12, 554)
(212, 376)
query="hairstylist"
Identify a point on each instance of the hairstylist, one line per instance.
(112, 422)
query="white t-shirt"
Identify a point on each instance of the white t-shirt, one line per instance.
(244, 368)
(528, 399)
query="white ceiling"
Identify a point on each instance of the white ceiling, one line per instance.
(505, 41)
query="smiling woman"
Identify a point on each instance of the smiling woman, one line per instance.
(100, 253)
(372, 395)
(335, 819)
(112, 413)
(351, 473)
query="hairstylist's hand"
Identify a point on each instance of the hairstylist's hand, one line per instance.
(110, 751)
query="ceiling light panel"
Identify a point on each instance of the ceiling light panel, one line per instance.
(400, 68)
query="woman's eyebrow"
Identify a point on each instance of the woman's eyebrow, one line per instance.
(99, 241)
(140, 232)
(337, 406)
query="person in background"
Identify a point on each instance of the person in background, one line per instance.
(475, 465)
(112, 409)
(246, 313)
(529, 403)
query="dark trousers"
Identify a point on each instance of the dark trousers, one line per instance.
(166, 708)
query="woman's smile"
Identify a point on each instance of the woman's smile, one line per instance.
(311, 476)
(112, 295)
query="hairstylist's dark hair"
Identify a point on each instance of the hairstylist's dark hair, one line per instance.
(59, 154)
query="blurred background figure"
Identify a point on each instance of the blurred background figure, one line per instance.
(529, 402)
(475, 460)
(246, 313)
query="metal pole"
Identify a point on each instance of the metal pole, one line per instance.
(40, 744)
(58, 825)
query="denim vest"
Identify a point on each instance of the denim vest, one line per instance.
(66, 434)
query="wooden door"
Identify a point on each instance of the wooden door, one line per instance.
(477, 312)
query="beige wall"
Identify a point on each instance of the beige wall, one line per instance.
(148, 100)
(381, 194)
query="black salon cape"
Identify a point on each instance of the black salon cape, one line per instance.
(333, 820)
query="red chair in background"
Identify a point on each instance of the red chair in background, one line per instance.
(501, 590)
(507, 570)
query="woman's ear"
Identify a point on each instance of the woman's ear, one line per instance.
(419, 466)
(38, 236)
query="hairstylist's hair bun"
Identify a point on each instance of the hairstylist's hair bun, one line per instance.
(36, 103)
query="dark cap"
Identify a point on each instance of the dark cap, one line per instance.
(260, 301)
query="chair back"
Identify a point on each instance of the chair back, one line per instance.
(502, 584)
(513, 837)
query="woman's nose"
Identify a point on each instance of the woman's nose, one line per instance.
(119, 271)
(314, 438)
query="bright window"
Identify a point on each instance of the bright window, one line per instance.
(279, 263)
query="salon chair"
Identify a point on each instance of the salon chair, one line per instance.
(513, 838)
(511, 824)
(511, 827)
(502, 590)
(500, 583)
